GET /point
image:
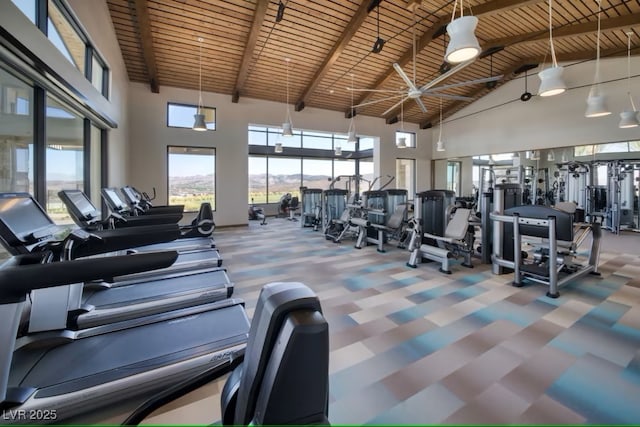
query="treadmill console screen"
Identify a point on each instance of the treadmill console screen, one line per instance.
(84, 205)
(115, 199)
(23, 217)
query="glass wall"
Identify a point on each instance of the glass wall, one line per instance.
(453, 177)
(191, 176)
(284, 177)
(16, 134)
(64, 156)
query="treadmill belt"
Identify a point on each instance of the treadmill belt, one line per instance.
(137, 292)
(104, 358)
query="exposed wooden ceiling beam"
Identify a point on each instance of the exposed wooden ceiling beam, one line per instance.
(615, 23)
(350, 30)
(511, 73)
(146, 41)
(247, 56)
(488, 8)
(567, 31)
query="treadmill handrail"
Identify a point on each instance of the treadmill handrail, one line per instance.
(18, 280)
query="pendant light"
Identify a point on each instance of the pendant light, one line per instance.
(440, 144)
(596, 101)
(278, 147)
(287, 126)
(551, 156)
(351, 134)
(628, 118)
(551, 82)
(402, 141)
(199, 123)
(463, 44)
(338, 151)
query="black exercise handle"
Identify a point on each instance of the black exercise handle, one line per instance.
(126, 238)
(17, 280)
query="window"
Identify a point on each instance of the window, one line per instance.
(406, 175)
(366, 143)
(611, 147)
(320, 141)
(453, 177)
(257, 179)
(16, 135)
(64, 156)
(634, 146)
(317, 173)
(181, 116)
(28, 7)
(284, 177)
(191, 176)
(63, 34)
(410, 139)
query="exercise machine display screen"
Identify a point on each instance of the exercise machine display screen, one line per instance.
(115, 199)
(81, 203)
(22, 215)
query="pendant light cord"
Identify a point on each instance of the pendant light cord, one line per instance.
(440, 130)
(351, 123)
(553, 51)
(455, 7)
(633, 105)
(596, 79)
(288, 110)
(200, 77)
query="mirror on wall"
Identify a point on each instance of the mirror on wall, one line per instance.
(603, 180)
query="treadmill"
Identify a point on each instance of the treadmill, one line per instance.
(189, 261)
(137, 203)
(86, 216)
(74, 307)
(60, 382)
(189, 258)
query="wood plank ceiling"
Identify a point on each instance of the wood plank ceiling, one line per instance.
(245, 45)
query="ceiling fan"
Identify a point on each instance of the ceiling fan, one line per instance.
(430, 89)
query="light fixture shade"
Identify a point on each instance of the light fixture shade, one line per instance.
(287, 129)
(338, 151)
(352, 137)
(596, 104)
(402, 142)
(564, 158)
(551, 156)
(278, 147)
(440, 145)
(551, 82)
(199, 123)
(628, 119)
(463, 44)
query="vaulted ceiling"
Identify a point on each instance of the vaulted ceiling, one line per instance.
(329, 43)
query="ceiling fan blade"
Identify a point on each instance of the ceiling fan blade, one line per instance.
(447, 96)
(446, 75)
(375, 90)
(375, 101)
(467, 83)
(421, 105)
(404, 76)
(394, 106)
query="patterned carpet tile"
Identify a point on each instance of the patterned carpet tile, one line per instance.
(416, 346)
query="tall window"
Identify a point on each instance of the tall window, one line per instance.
(191, 176)
(64, 156)
(16, 134)
(257, 179)
(181, 116)
(453, 177)
(406, 175)
(284, 177)
(316, 173)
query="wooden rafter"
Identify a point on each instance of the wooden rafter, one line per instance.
(562, 32)
(342, 42)
(618, 22)
(489, 8)
(146, 41)
(247, 56)
(510, 73)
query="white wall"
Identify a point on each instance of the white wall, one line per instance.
(540, 123)
(149, 137)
